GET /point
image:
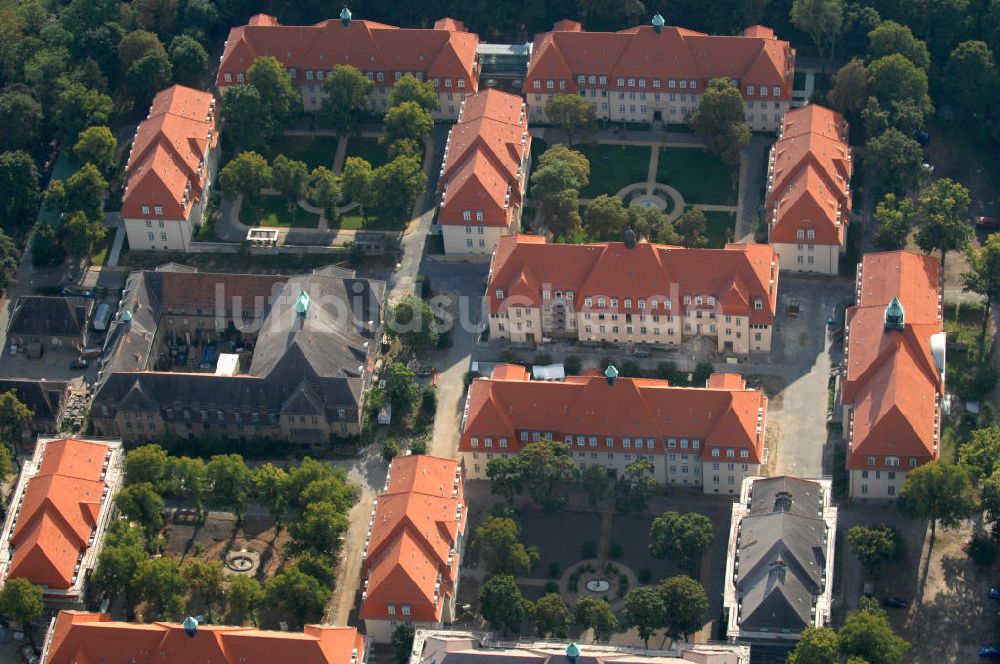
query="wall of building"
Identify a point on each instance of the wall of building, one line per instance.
(878, 484)
(450, 101)
(457, 239)
(825, 258)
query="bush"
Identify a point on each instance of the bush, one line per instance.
(509, 357)
(418, 447)
(551, 587)
(610, 568)
(631, 369)
(615, 550)
(589, 549)
(390, 450)
(469, 377)
(701, 373)
(428, 400)
(573, 365)
(543, 359)
(982, 549)
(554, 570)
(644, 575)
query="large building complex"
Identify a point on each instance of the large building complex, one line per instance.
(709, 437)
(485, 173)
(779, 570)
(78, 636)
(170, 170)
(659, 73)
(633, 293)
(414, 547)
(444, 55)
(894, 371)
(59, 511)
(809, 190)
(239, 356)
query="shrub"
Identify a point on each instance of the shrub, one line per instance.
(611, 569)
(543, 359)
(469, 377)
(554, 570)
(982, 549)
(590, 549)
(418, 447)
(572, 365)
(667, 371)
(428, 400)
(551, 587)
(390, 450)
(605, 361)
(631, 369)
(615, 550)
(644, 575)
(509, 357)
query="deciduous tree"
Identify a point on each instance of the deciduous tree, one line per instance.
(407, 121)
(605, 218)
(189, 59)
(644, 611)
(893, 78)
(147, 463)
(158, 582)
(230, 480)
(245, 126)
(10, 258)
(850, 87)
(271, 485)
(143, 505)
(502, 604)
(402, 640)
(14, 416)
(683, 537)
(21, 600)
(983, 277)
(875, 545)
(348, 98)
(296, 592)
(574, 115)
(325, 190)
(552, 616)
(720, 118)
(204, 578)
(944, 207)
(685, 604)
(278, 98)
(78, 107)
(244, 596)
(188, 478)
(116, 566)
(85, 191)
(245, 176)
(817, 645)
(357, 182)
(972, 79)
(691, 225)
(574, 159)
(939, 492)
(870, 637)
(147, 76)
(822, 20)
(96, 145)
(411, 321)
(498, 542)
(411, 88)
(892, 162)
(19, 109)
(394, 188)
(547, 465)
(319, 528)
(561, 214)
(893, 217)
(890, 37)
(635, 486)
(136, 44)
(596, 614)
(506, 476)
(290, 177)
(651, 223)
(79, 234)
(596, 484)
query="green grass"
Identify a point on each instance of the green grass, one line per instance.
(313, 150)
(103, 248)
(64, 167)
(259, 264)
(368, 149)
(347, 222)
(699, 175)
(613, 167)
(720, 225)
(274, 212)
(969, 367)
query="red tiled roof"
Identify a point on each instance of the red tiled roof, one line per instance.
(724, 414)
(417, 524)
(756, 58)
(89, 638)
(445, 51)
(485, 149)
(62, 502)
(736, 275)
(892, 379)
(810, 177)
(169, 147)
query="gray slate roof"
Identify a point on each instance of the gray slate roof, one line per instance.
(41, 397)
(37, 315)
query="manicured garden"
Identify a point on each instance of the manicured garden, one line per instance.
(313, 150)
(274, 212)
(368, 148)
(720, 227)
(613, 167)
(699, 175)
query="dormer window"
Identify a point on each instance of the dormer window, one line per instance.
(145, 209)
(228, 77)
(758, 303)
(467, 215)
(871, 461)
(499, 293)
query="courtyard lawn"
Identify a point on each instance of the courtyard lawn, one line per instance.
(613, 167)
(313, 150)
(350, 221)
(720, 227)
(699, 175)
(368, 149)
(274, 212)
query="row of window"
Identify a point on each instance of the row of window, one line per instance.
(156, 208)
(319, 75)
(803, 234)
(892, 461)
(602, 302)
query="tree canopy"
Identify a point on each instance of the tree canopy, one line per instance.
(939, 492)
(644, 611)
(685, 604)
(502, 604)
(348, 98)
(498, 542)
(411, 88)
(683, 537)
(720, 119)
(574, 115)
(944, 208)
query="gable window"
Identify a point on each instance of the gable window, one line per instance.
(537, 85)
(145, 210)
(913, 462)
(461, 82)
(550, 84)
(158, 210)
(750, 90)
(474, 441)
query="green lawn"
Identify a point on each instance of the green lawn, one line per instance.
(368, 149)
(314, 150)
(966, 362)
(64, 167)
(613, 167)
(347, 222)
(699, 175)
(274, 212)
(719, 225)
(103, 248)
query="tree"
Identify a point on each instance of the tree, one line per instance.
(319, 527)
(875, 545)
(319, 566)
(597, 615)
(80, 234)
(596, 484)
(401, 389)
(158, 15)
(147, 76)
(135, 45)
(554, 178)
(246, 175)
(402, 639)
(158, 582)
(357, 183)
(817, 645)
(720, 119)
(290, 177)
(893, 218)
(651, 223)
(116, 565)
(644, 610)
(870, 637)
(506, 476)
(19, 109)
(230, 480)
(97, 146)
(850, 87)
(502, 604)
(552, 616)
(278, 98)
(85, 193)
(822, 20)
(325, 190)
(561, 213)
(203, 577)
(944, 206)
(78, 107)
(691, 225)
(147, 463)
(605, 218)
(10, 258)
(189, 59)
(19, 190)
(14, 417)
(187, 477)
(685, 604)
(983, 277)
(574, 115)
(271, 485)
(332, 489)
(244, 596)
(893, 78)
(143, 505)
(498, 542)
(6, 463)
(972, 79)
(305, 475)
(635, 486)
(411, 321)
(348, 98)
(408, 120)
(938, 491)
(404, 147)
(892, 162)
(411, 88)
(21, 600)
(890, 37)
(577, 162)
(245, 126)
(981, 454)
(394, 187)
(296, 592)
(547, 464)
(681, 537)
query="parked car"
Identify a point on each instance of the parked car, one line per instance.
(994, 593)
(989, 652)
(79, 363)
(987, 223)
(895, 602)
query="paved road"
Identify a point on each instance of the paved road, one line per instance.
(752, 174)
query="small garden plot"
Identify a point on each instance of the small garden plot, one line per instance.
(367, 148)
(613, 167)
(699, 175)
(274, 212)
(313, 150)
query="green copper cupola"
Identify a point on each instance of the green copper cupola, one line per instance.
(895, 315)
(302, 304)
(611, 374)
(658, 23)
(345, 16)
(572, 652)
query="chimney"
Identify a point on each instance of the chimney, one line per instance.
(658, 23)
(611, 374)
(345, 16)
(629, 239)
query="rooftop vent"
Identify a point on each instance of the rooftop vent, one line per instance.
(190, 625)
